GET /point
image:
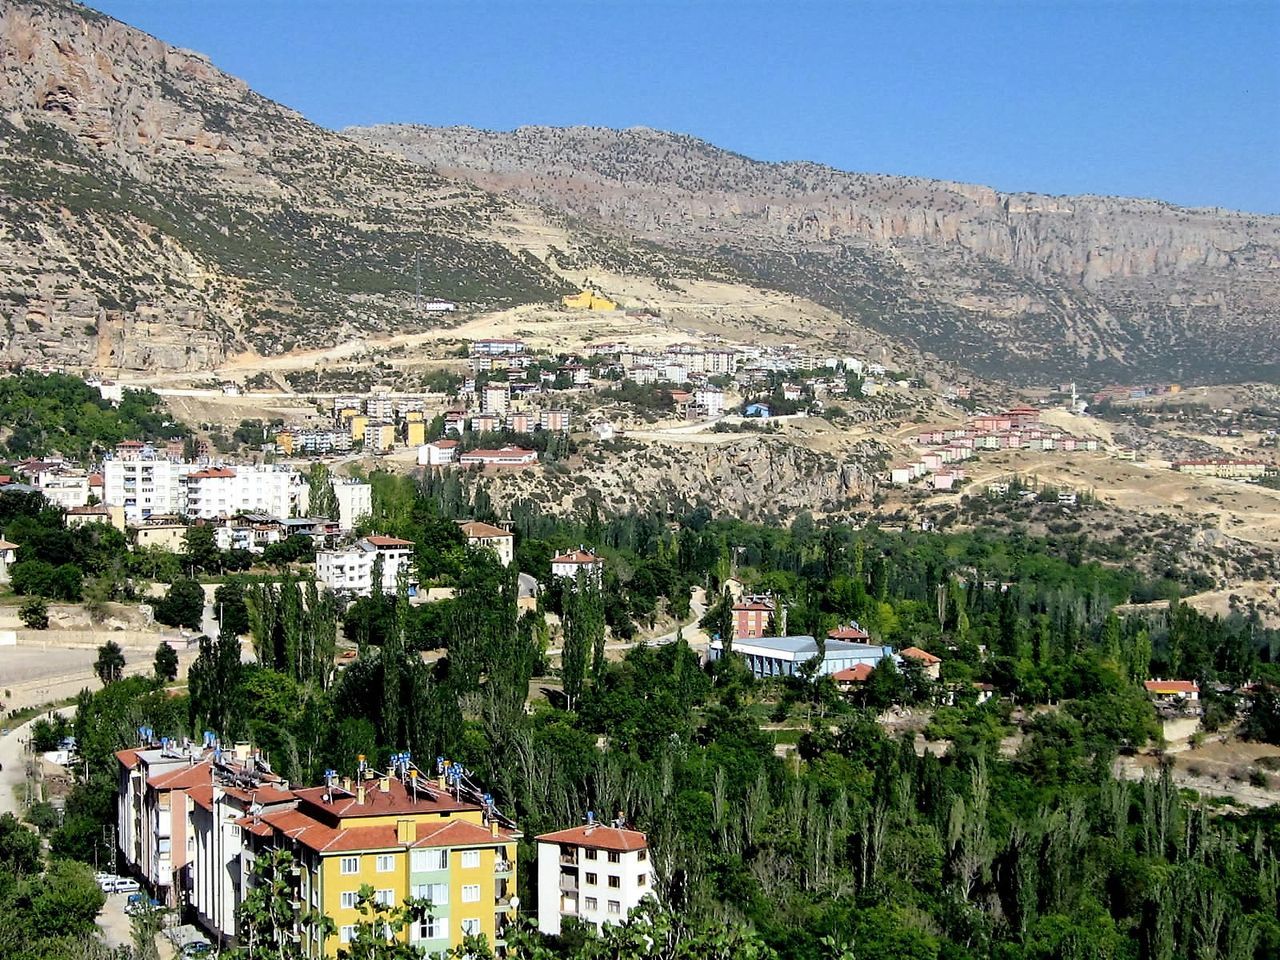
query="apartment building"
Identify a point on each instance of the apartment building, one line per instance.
(437, 453)
(350, 570)
(145, 487)
(403, 837)
(557, 421)
(596, 872)
(355, 501)
(214, 492)
(487, 536)
(154, 806)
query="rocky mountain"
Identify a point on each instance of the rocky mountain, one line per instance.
(156, 213)
(1020, 285)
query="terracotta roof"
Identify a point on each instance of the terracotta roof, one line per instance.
(855, 674)
(183, 778)
(577, 556)
(753, 605)
(599, 837)
(847, 632)
(127, 758)
(322, 838)
(95, 480)
(6, 545)
(214, 473)
(504, 452)
(917, 654)
(90, 510)
(477, 528)
(202, 795)
(443, 444)
(1172, 686)
(380, 541)
(397, 800)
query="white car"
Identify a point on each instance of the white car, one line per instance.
(120, 885)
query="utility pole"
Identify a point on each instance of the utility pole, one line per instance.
(417, 276)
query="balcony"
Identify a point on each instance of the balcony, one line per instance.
(503, 868)
(568, 883)
(569, 859)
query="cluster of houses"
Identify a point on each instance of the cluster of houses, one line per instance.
(193, 820)
(948, 447)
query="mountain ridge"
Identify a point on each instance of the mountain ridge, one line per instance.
(1095, 277)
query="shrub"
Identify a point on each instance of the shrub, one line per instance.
(35, 614)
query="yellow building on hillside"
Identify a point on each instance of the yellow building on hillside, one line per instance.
(357, 423)
(588, 300)
(285, 441)
(379, 436)
(415, 433)
(403, 840)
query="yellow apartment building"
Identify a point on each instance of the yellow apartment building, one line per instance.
(402, 839)
(379, 436)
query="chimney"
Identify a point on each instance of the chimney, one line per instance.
(493, 826)
(346, 784)
(384, 785)
(406, 831)
(360, 794)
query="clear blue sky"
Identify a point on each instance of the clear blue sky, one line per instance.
(1176, 99)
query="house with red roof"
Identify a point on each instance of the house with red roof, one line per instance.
(596, 873)
(568, 565)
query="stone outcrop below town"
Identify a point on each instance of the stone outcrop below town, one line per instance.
(1005, 281)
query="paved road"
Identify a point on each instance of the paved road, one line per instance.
(692, 632)
(13, 762)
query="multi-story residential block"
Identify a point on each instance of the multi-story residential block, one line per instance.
(598, 873)
(62, 487)
(380, 406)
(350, 570)
(215, 492)
(145, 487)
(752, 616)
(559, 421)
(496, 397)
(355, 501)
(379, 436)
(487, 536)
(709, 400)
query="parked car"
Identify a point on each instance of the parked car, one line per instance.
(119, 885)
(197, 948)
(137, 903)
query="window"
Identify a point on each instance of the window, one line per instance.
(615, 882)
(470, 858)
(615, 906)
(348, 899)
(350, 865)
(471, 928)
(642, 880)
(347, 934)
(589, 854)
(642, 856)
(432, 928)
(437, 893)
(471, 893)
(615, 856)
(592, 904)
(386, 862)
(592, 879)
(424, 860)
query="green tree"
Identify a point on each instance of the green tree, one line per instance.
(182, 605)
(166, 665)
(110, 663)
(34, 614)
(200, 549)
(230, 607)
(267, 915)
(324, 500)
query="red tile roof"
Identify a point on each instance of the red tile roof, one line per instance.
(847, 632)
(855, 674)
(127, 758)
(577, 556)
(917, 654)
(380, 541)
(753, 605)
(1172, 686)
(397, 800)
(599, 837)
(311, 833)
(477, 528)
(214, 473)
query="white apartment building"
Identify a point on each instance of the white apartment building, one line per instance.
(710, 400)
(351, 570)
(355, 500)
(496, 397)
(65, 490)
(595, 872)
(227, 491)
(145, 487)
(380, 406)
(486, 535)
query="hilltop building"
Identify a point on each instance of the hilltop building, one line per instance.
(486, 535)
(567, 565)
(350, 570)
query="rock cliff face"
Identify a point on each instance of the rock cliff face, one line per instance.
(156, 213)
(755, 478)
(1007, 282)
